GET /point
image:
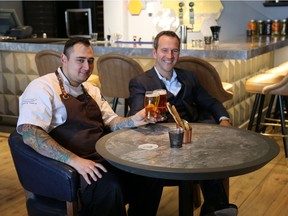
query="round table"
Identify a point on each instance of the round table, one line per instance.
(215, 152)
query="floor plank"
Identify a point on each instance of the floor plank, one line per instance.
(260, 193)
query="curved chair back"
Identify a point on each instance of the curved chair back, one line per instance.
(280, 88)
(115, 72)
(47, 61)
(207, 76)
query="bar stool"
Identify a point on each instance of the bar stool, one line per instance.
(228, 87)
(255, 85)
(284, 64)
(280, 70)
(279, 90)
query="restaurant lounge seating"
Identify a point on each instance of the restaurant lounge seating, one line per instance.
(207, 76)
(255, 85)
(210, 80)
(47, 61)
(273, 83)
(51, 187)
(115, 72)
(280, 90)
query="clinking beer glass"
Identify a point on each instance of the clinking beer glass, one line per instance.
(162, 103)
(151, 102)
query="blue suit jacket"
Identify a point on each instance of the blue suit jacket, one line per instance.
(195, 98)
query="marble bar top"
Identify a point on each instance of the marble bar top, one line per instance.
(236, 49)
(215, 152)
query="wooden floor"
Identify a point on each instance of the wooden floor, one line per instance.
(260, 193)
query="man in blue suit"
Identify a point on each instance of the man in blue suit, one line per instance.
(192, 102)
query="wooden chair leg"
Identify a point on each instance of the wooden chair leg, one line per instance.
(254, 110)
(71, 208)
(283, 125)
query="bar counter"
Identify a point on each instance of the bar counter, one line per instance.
(236, 49)
(235, 61)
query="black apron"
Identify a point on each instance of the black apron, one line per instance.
(84, 124)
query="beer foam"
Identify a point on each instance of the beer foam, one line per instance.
(160, 91)
(152, 94)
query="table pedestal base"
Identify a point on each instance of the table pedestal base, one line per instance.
(186, 207)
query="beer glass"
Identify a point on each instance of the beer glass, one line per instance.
(162, 103)
(151, 102)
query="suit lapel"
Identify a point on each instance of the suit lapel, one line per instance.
(155, 79)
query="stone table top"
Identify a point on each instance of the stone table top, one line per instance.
(240, 48)
(215, 152)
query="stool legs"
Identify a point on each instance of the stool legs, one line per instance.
(258, 104)
(268, 113)
(279, 116)
(253, 113)
(260, 111)
(283, 125)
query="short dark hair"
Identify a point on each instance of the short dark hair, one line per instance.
(71, 42)
(166, 33)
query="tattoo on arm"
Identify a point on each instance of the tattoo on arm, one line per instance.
(43, 143)
(119, 123)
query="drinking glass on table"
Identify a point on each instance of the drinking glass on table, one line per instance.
(162, 103)
(151, 102)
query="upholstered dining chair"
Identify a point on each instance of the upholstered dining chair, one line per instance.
(210, 80)
(51, 187)
(47, 61)
(115, 72)
(207, 76)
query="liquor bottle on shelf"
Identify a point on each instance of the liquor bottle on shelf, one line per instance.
(283, 27)
(275, 27)
(268, 27)
(252, 26)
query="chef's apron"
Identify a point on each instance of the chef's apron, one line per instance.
(83, 127)
(84, 124)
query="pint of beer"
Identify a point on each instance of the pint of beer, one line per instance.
(162, 103)
(151, 102)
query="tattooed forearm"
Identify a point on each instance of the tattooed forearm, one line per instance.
(121, 123)
(44, 144)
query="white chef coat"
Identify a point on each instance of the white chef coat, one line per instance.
(41, 105)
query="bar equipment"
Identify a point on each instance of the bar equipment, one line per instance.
(183, 27)
(215, 33)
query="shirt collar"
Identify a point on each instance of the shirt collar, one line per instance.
(174, 76)
(69, 88)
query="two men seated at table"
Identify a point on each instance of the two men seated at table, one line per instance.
(191, 100)
(62, 117)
